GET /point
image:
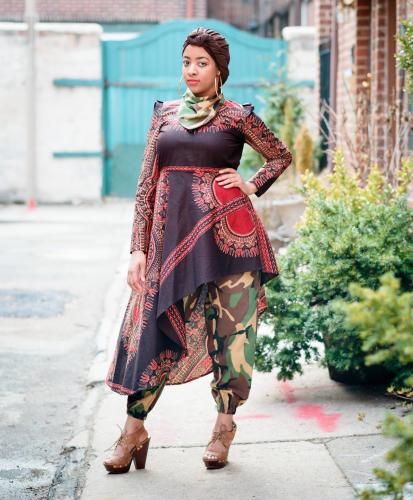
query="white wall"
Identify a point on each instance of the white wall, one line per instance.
(68, 119)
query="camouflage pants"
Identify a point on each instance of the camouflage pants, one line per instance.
(231, 321)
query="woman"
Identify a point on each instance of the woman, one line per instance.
(199, 254)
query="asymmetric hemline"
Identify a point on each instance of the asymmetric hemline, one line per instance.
(193, 232)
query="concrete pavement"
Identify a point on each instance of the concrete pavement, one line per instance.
(301, 440)
(310, 438)
(57, 263)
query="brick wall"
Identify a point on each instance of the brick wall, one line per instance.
(379, 75)
(362, 71)
(240, 14)
(378, 25)
(322, 9)
(105, 10)
(367, 75)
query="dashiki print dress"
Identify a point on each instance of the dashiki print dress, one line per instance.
(192, 231)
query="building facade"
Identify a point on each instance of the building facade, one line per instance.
(359, 78)
(74, 145)
(116, 12)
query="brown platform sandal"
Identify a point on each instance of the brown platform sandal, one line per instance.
(215, 459)
(128, 448)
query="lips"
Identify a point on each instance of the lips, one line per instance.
(193, 81)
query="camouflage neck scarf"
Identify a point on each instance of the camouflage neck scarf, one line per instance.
(195, 111)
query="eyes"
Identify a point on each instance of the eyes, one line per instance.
(201, 63)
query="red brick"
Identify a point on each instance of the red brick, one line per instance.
(103, 10)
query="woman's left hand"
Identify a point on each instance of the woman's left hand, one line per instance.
(232, 178)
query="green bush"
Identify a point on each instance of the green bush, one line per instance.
(395, 485)
(384, 320)
(348, 233)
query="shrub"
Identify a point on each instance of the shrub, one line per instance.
(397, 483)
(304, 150)
(348, 233)
(384, 320)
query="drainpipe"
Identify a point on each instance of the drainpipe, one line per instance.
(30, 19)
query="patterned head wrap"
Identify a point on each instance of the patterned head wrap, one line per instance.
(216, 46)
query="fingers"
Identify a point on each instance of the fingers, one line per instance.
(133, 281)
(230, 170)
(228, 177)
(231, 181)
(234, 180)
(227, 172)
(136, 277)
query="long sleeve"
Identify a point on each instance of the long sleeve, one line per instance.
(146, 187)
(264, 141)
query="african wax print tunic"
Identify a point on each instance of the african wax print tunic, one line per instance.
(192, 231)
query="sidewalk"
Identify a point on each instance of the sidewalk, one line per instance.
(295, 441)
(310, 438)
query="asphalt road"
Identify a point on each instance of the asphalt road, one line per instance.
(56, 263)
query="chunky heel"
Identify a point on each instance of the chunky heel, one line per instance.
(128, 447)
(140, 454)
(213, 459)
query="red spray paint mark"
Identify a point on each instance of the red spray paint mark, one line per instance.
(328, 423)
(31, 204)
(288, 391)
(255, 416)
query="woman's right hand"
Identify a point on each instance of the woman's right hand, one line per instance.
(136, 271)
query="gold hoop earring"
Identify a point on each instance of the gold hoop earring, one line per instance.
(215, 82)
(179, 87)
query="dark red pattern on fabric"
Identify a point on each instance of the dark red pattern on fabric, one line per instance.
(157, 367)
(193, 232)
(179, 326)
(191, 239)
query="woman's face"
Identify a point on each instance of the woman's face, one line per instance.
(199, 71)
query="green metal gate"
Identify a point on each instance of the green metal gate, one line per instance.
(140, 70)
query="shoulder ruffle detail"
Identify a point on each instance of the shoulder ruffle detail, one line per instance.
(248, 108)
(157, 107)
